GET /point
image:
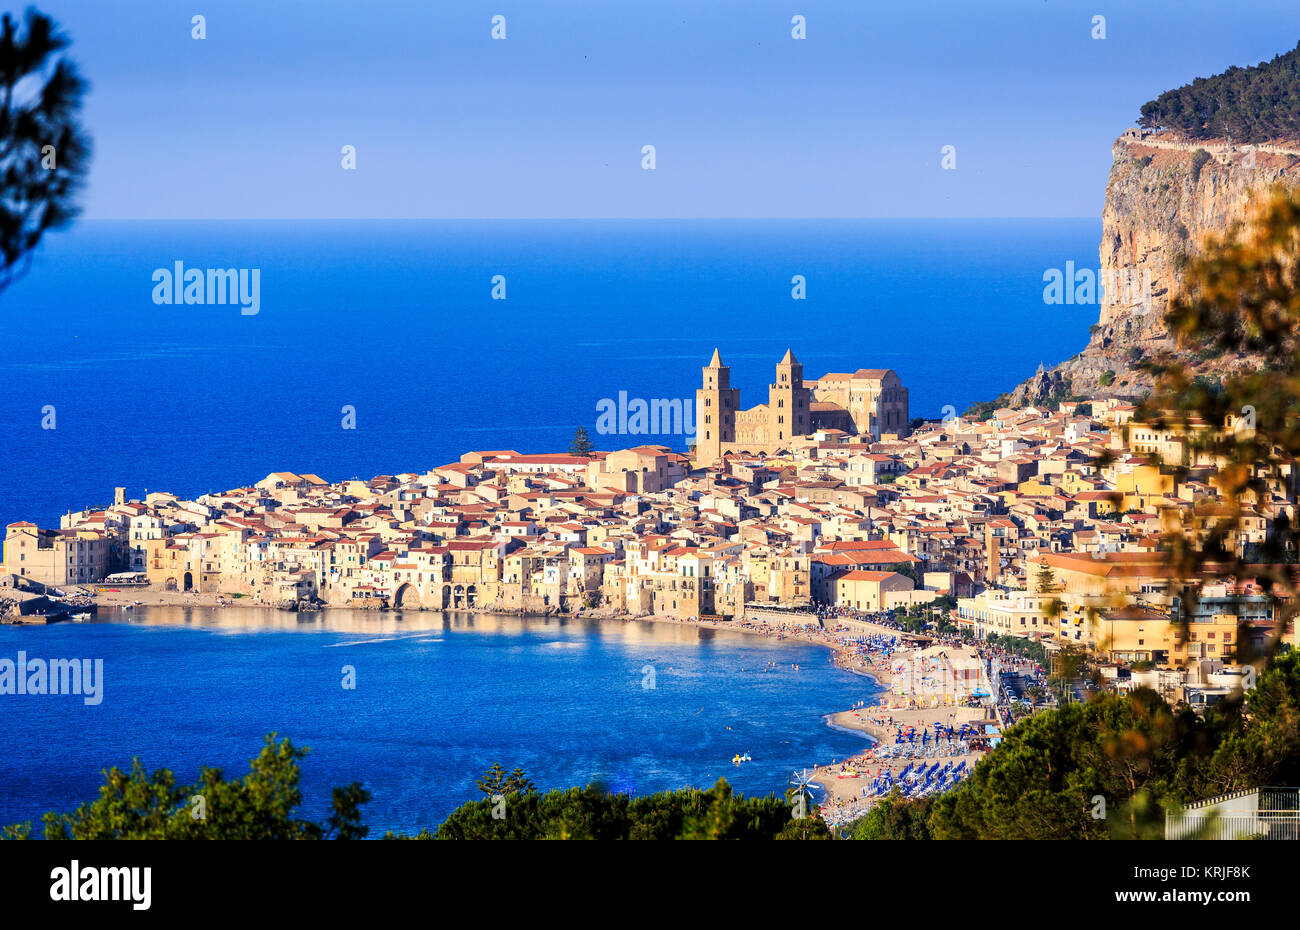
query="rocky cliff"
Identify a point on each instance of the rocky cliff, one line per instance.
(1162, 198)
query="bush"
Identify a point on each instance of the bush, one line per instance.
(896, 818)
(1199, 158)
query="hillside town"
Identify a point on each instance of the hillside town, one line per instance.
(1005, 527)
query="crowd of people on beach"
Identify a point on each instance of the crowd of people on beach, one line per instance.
(931, 751)
(919, 762)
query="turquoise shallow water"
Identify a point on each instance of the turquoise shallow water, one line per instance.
(438, 698)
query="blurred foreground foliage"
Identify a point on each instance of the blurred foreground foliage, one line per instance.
(1112, 767)
(44, 150)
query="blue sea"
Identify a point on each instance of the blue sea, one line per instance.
(396, 320)
(637, 707)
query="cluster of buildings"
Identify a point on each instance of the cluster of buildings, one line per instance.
(824, 497)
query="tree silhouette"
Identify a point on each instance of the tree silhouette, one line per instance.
(44, 153)
(582, 444)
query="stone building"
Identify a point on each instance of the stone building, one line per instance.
(874, 399)
(868, 402)
(56, 557)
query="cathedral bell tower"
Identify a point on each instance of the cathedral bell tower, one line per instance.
(787, 403)
(715, 412)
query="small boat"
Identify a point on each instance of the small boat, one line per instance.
(81, 616)
(737, 759)
(847, 772)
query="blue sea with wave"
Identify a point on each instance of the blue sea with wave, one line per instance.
(395, 319)
(634, 706)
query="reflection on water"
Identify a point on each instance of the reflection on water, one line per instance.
(391, 622)
(439, 697)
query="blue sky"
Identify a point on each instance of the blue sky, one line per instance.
(747, 122)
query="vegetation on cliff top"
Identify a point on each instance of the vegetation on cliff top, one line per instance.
(1252, 104)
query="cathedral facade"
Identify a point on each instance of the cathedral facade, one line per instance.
(868, 402)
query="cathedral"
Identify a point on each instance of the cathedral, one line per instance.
(868, 402)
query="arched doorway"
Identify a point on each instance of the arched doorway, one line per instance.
(446, 596)
(458, 596)
(471, 593)
(407, 596)
(189, 581)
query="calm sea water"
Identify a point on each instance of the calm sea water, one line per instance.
(437, 700)
(396, 319)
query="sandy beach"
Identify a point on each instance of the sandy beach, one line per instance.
(844, 780)
(156, 597)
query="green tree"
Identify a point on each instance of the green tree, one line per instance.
(582, 444)
(1259, 741)
(896, 818)
(908, 570)
(1044, 780)
(259, 806)
(1251, 104)
(1030, 649)
(44, 154)
(496, 781)
(1066, 666)
(1112, 767)
(594, 813)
